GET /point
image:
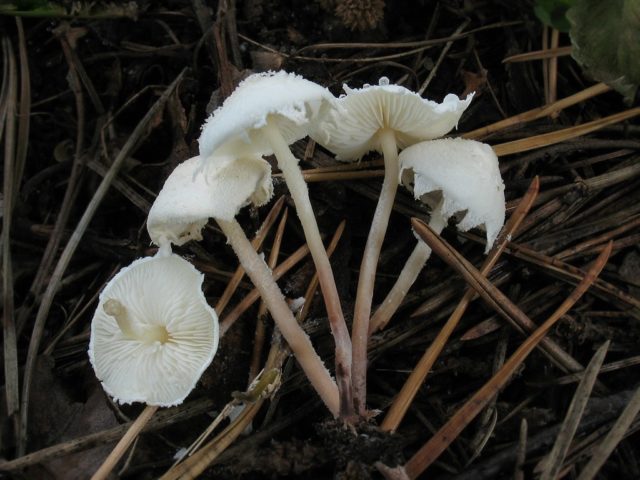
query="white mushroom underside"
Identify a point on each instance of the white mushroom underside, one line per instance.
(158, 292)
(361, 113)
(194, 192)
(290, 101)
(467, 175)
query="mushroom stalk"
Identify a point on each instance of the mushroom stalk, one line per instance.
(149, 334)
(406, 279)
(366, 280)
(288, 164)
(295, 336)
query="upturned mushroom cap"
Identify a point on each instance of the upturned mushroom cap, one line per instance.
(362, 113)
(190, 196)
(464, 174)
(289, 100)
(171, 332)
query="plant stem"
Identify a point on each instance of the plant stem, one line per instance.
(295, 336)
(406, 279)
(288, 164)
(366, 281)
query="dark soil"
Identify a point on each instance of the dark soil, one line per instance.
(93, 79)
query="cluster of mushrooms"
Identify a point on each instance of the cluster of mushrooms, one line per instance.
(153, 333)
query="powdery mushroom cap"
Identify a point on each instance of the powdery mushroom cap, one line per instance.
(173, 337)
(361, 113)
(464, 174)
(289, 100)
(190, 196)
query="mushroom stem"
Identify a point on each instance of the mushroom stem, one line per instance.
(115, 309)
(366, 280)
(288, 164)
(298, 341)
(149, 334)
(407, 277)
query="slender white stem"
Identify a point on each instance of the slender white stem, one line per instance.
(407, 277)
(298, 340)
(288, 164)
(146, 334)
(366, 281)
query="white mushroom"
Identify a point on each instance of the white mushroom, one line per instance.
(190, 196)
(383, 118)
(153, 333)
(455, 177)
(186, 202)
(266, 113)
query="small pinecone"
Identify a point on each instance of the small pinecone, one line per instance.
(360, 14)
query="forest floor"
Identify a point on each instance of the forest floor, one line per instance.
(81, 93)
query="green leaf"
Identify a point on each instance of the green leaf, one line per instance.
(554, 13)
(606, 42)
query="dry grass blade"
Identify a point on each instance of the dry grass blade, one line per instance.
(521, 452)
(429, 452)
(539, 55)
(9, 97)
(254, 295)
(70, 248)
(124, 443)
(552, 87)
(24, 118)
(409, 390)
(539, 112)
(552, 464)
(530, 143)
(617, 433)
(233, 283)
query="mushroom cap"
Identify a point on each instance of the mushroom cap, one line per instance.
(157, 292)
(467, 175)
(289, 100)
(191, 195)
(351, 131)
